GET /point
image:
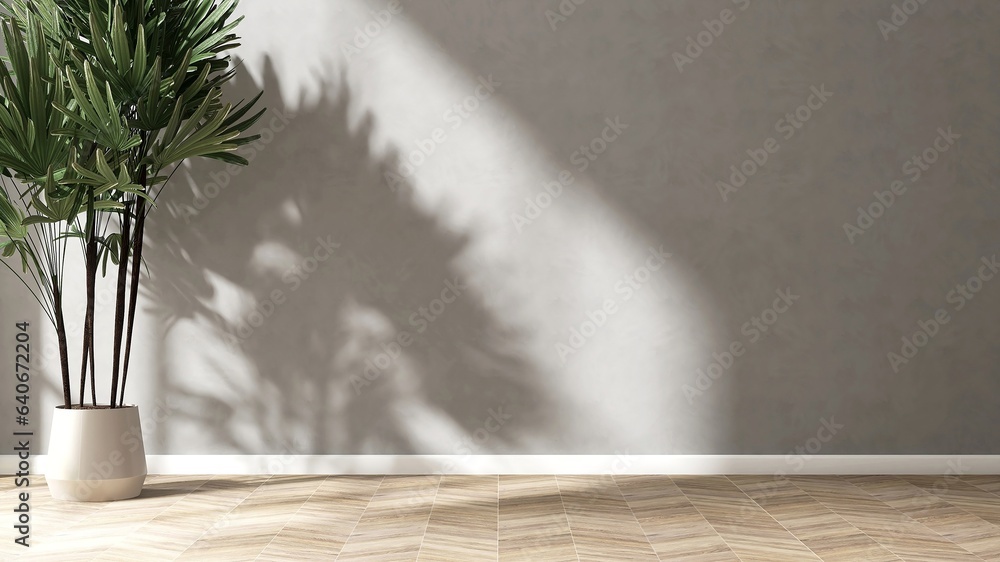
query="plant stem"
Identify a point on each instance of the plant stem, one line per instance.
(120, 302)
(137, 238)
(88, 323)
(93, 376)
(63, 347)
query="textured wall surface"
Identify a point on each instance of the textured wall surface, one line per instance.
(543, 227)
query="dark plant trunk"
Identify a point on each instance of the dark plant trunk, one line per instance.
(123, 255)
(88, 323)
(137, 238)
(63, 347)
(86, 355)
(93, 376)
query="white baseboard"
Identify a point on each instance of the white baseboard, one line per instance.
(555, 464)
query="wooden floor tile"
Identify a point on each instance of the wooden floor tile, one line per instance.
(321, 527)
(393, 525)
(745, 526)
(533, 522)
(824, 532)
(985, 482)
(899, 533)
(248, 528)
(600, 520)
(464, 521)
(591, 518)
(673, 526)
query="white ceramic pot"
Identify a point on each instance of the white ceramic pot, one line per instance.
(96, 455)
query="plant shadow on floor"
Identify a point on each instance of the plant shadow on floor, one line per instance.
(290, 377)
(180, 485)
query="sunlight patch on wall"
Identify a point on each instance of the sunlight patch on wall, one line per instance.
(603, 316)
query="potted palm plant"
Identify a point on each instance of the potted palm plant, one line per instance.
(99, 101)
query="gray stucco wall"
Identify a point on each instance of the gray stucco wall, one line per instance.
(477, 281)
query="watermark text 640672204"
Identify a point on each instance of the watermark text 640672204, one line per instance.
(22, 435)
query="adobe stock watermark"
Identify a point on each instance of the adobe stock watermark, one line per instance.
(474, 442)
(953, 474)
(293, 278)
(796, 461)
(958, 298)
(914, 169)
(929, 497)
(704, 39)
(563, 12)
(553, 528)
(221, 179)
(754, 329)
(455, 116)
(900, 14)
(48, 357)
(625, 288)
(419, 320)
(464, 449)
(581, 159)
(364, 35)
(130, 439)
(622, 463)
(787, 127)
(275, 465)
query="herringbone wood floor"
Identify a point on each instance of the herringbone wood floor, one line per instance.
(523, 518)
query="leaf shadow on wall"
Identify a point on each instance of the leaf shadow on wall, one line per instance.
(282, 288)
